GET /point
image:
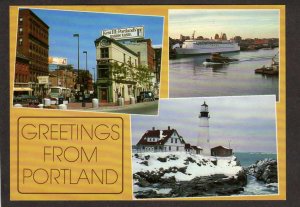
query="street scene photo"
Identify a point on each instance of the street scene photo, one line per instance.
(224, 52)
(206, 147)
(87, 61)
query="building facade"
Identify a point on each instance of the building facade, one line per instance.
(110, 86)
(21, 69)
(33, 43)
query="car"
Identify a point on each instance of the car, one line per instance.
(145, 96)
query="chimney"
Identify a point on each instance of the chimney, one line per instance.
(169, 128)
(153, 128)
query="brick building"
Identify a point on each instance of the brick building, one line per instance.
(21, 69)
(32, 42)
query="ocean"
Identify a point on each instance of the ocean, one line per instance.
(190, 78)
(255, 187)
(249, 158)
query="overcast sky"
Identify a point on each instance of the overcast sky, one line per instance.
(206, 23)
(247, 122)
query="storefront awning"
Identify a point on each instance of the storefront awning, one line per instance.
(22, 89)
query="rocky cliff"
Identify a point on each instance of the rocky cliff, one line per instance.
(264, 170)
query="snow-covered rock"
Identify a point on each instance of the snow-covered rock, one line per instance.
(187, 175)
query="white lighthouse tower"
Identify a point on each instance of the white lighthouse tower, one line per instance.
(203, 137)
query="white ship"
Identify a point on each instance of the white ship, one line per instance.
(190, 47)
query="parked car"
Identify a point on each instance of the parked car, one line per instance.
(145, 96)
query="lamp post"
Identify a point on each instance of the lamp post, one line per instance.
(85, 77)
(77, 35)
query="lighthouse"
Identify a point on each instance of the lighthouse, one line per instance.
(203, 137)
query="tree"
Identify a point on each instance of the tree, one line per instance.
(128, 73)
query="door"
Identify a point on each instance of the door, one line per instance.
(104, 95)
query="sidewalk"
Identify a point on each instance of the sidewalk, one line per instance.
(78, 105)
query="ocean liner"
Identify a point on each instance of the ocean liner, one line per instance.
(190, 47)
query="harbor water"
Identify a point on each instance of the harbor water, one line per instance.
(190, 78)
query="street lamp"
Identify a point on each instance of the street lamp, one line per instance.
(78, 82)
(86, 77)
(94, 85)
(77, 35)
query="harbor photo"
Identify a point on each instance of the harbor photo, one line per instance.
(87, 61)
(206, 147)
(224, 52)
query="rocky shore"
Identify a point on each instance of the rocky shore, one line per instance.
(185, 175)
(264, 170)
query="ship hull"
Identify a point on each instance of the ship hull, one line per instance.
(195, 51)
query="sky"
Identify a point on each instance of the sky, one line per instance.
(248, 122)
(206, 23)
(63, 24)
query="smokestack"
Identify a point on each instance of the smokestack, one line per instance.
(169, 128)
(153, 128)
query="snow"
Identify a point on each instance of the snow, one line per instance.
(225, 165)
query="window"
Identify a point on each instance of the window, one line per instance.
(175, 140)
(177, 148)
(170, 148)
(103, 71)
(171, 140)
(104, 52)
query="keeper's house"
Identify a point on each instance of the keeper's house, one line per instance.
(168, 140)
(156, 140)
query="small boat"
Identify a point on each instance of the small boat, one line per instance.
(267, 70)
(217, 58)
(273, 69)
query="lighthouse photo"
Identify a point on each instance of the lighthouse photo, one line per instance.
(218, 143)
(203, 136)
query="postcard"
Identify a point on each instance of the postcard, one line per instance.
(145, 103)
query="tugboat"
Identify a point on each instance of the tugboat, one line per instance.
(273, 69)
(217, 58)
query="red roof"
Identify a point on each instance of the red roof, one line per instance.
(156, 134)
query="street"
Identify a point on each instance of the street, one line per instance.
(145, 108)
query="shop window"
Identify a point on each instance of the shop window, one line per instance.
(104, 52)
(103, 71)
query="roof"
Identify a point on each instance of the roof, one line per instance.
(156, 133)
(220, 147)
(116, 43)
(204, 104)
